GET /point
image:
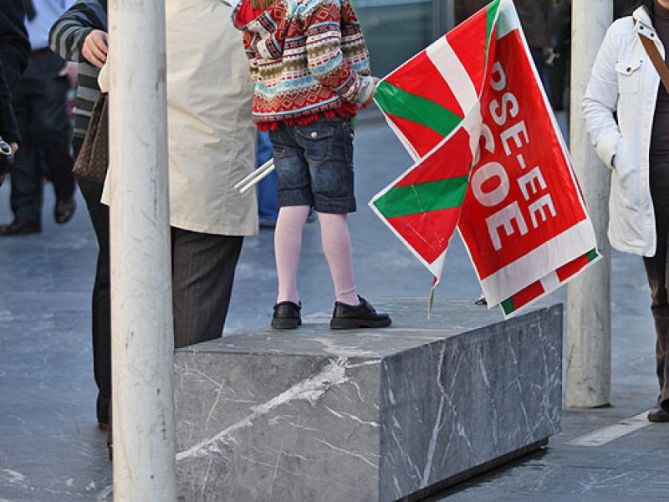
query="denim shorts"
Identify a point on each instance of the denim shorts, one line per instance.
(315, 165)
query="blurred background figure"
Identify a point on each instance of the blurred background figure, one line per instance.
(558, 58)
(14, 57)
(267, 189)
(40, 105)
(534, 16)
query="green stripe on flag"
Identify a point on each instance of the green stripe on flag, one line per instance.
(507, 306)
(403, 104)
(592, 255)
(415, 199)
(491, 14)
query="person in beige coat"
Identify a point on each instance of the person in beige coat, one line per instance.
(211, 146)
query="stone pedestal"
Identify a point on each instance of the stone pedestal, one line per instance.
(372, 415)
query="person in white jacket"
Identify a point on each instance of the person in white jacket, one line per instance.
(627, 114)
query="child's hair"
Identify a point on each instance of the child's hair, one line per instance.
(261, 4)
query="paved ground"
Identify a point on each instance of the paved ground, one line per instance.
(50, 449)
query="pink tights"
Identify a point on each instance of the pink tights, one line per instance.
(336, 246)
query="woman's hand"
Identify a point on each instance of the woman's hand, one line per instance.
(95, 48)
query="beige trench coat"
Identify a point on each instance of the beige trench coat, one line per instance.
(211, 136)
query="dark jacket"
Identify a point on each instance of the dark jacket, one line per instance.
(14, 57)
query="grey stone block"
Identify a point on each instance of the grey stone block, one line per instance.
(369, 415)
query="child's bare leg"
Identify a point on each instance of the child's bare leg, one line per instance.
(287, 248)
(337, 248)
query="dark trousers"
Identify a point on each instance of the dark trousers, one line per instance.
(203, 270)
(101, 305)
(657, 271)
(41, 112)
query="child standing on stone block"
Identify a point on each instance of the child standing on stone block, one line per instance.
(311, 67)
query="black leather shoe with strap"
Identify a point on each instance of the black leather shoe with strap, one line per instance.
(286, 315)
(363, 315)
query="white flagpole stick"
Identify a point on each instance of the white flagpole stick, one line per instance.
(267, 166)
(257, 179)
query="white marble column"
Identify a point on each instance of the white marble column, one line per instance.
(589, 296)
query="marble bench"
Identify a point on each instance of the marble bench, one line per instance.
(371, 415)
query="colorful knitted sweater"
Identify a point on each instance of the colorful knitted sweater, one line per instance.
(308, 59)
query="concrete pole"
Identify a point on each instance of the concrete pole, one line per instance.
(142, 325)
(589, 296)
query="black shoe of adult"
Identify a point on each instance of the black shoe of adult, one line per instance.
(20, 227)
(665, 405)
(658, 415)
(64, 210)
(286, 315)
(358, 316)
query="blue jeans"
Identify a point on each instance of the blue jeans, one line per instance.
(315, 165)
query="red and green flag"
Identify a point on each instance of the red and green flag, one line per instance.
(489, 161)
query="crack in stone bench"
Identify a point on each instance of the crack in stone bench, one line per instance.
(371, 415)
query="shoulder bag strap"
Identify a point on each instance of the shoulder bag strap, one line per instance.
(656, 58)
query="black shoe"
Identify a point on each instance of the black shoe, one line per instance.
(658, 415)
(665, 405)
(20, 227)
(64, 210)
(359, 316)
(286, 315)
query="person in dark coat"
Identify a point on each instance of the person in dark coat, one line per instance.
(14, 58)
(14, 43)
(40, 105)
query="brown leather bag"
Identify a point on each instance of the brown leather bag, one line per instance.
(647, 40)
(93, 159)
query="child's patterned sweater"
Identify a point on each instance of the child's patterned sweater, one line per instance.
(308, 58)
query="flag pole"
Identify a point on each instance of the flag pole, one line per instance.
(141, 294)
(589, 296)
